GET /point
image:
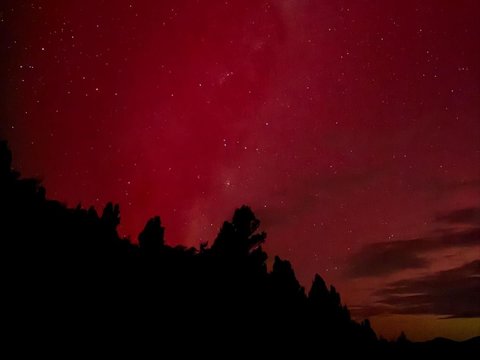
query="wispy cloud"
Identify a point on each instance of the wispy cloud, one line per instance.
(469, 216)
(452, 293)
(446, 292)
(385, 258)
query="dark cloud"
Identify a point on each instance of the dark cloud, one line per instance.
(384, 258)
(388, 257)
(469, 216)
(453, 293)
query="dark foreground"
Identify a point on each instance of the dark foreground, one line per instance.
(72, 285)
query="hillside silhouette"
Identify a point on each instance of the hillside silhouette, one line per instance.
(70, 279)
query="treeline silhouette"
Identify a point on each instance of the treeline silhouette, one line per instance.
(70, 279)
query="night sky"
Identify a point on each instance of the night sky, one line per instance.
(351, 128)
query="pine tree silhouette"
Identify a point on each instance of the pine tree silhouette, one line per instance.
(69, 273)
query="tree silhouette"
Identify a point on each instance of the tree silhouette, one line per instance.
(67, 270)
(238, 237)
(151, 238)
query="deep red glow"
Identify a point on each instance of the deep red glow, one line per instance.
(340, 123)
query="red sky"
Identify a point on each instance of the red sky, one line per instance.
(342, 124)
